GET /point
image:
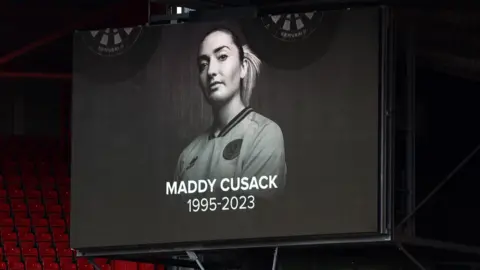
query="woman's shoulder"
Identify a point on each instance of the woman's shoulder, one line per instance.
(264, 124)
(261, 121)
(195, 143)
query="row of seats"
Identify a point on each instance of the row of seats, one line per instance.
(81, 264)
(35, 210)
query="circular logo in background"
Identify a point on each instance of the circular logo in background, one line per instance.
(111, 41)
(292, 27)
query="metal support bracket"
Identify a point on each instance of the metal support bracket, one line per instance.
(440, 185)
(93, 263)
(193, 256)
(410, 256)
(275, 257)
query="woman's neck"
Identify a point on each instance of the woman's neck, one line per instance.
(224, 114)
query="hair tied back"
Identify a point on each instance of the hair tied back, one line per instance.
(252, 72)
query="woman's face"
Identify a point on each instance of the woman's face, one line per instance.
(221, 69)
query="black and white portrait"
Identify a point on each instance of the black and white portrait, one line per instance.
(226, 130)
(240, 142)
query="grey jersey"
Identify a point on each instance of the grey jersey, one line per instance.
(250, 145)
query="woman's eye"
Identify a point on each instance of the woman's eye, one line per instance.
(202, 66)
(222, 57)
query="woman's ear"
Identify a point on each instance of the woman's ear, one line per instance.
(243, 68)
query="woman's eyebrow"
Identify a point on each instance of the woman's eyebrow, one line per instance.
(221, 48)
(216, 50)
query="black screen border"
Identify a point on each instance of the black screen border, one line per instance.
(385, 179)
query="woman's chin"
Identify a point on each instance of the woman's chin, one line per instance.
(218, 97)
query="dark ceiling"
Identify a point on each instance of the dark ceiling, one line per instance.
(36, 36)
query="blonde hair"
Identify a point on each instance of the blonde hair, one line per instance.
(252, 73)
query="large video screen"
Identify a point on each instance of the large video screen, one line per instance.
(227, 130)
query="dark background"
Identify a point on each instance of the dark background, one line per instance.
(127, 136)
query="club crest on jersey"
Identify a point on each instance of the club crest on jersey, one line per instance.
(232, 150)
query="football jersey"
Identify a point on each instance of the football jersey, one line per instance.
(250, 145)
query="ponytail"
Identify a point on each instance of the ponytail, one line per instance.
(252, 72)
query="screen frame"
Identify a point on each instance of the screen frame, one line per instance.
(385, 178)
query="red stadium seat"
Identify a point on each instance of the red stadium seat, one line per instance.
(13, 180)
(47, 252)
(66, 260)
(58, 230)
(7, 229)
(39, 230)
(85, 267)
(30, 179)
(33, 266)
(16, 266)
(23, 230)
(3, 266)
(6, 222)
(44, 245)
(36, 208)
(10, 168)
(54, 209)
(62, 245)
(47, 181)
(15, 193)
(29, 252)
(82, 260)
(9, 244)
(27, 244)
(44, 169)
(50, 266)
(27, 166)
(124, 265)
(65, 252)
(26, 237)
(66, 207)
(34, 194)
(12, 252)
(51, 195)
(3, 194)
(30, 259)
(5, 209)
(100, 261)
(146, 266)
(60, 237)
(9, 236)
(19, 207)
(40, 222)
(22, 222)
(46, 260)
(44, 237)
(63, 181)
(68, 266)
(57, 222)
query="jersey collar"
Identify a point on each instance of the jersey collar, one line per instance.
(235, 121)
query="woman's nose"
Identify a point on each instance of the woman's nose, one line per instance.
(212, 68)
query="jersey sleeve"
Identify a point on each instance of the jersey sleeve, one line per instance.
(267, 155)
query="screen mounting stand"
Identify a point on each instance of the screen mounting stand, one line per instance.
(275, 257)
(93, 263)
(410, 257)
(193, 256)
